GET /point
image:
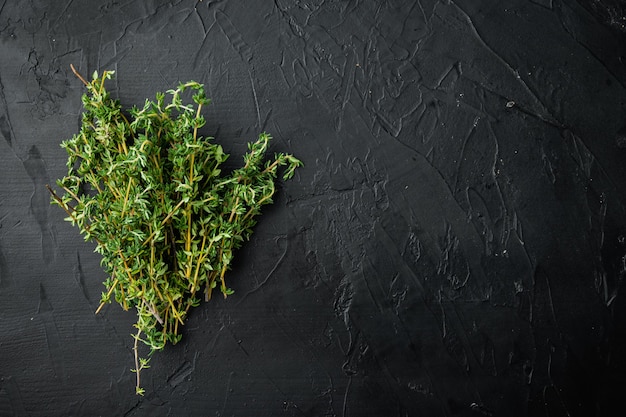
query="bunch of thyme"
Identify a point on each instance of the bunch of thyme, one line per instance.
(149, 190)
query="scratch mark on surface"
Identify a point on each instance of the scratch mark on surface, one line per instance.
(463, 153)
(53, 339)
(5, 121)
(267, 277)
(3, 267)
(2, 8)
(79, 278)
(344, 408)
(543, 3)
(233, 36)
(183, 371)
(3, 259)
(132, 409)
(590, 51)
(117, 57)
(550, 298)
(508, 67)
(205, 31)
(344, 295)
(256, 100)
(228, 390)
(235, 338)
(346, 86)
(39, 201)
(61, 14)
(12, 389)
(198, 56)
(370, 292)
(586, 158)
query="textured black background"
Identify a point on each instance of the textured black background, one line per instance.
(442, 253)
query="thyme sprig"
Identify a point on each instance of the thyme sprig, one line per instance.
(150, 191)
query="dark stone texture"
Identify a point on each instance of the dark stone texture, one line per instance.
(454, 246)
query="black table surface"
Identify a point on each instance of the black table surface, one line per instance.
(455, 244)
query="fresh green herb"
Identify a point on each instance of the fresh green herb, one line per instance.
(150, 191)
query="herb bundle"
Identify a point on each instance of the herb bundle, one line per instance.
(149, 190)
